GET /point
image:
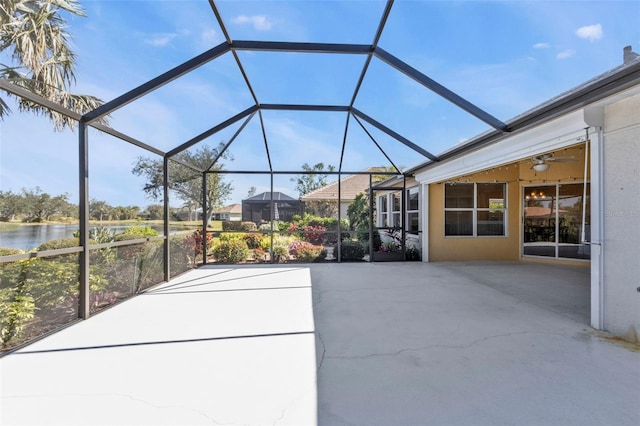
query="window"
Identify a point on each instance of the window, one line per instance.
(553, 221)
(384, 220)
(475, 209)
(396, 209)
(413, 216)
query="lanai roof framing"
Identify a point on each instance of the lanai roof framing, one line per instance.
(233, 46)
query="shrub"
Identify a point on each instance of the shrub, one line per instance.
(145, 231)
(233, 251)
(193, 242)
(350, 251)
(5, 251)
(232, 236)
(130, 251)
(59, 244)
(280, 254)
(239, 226)
(314, 234)
(310, 253)
(252, 239)
(62, 244)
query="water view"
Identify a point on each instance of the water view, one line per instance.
(30, 237)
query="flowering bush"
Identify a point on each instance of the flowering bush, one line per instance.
(314, 234)
(293, 247)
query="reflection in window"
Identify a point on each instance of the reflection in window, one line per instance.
(396, 209)
(413, 216)
(553, 221)
(475, 209)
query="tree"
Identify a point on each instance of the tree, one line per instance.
(186, 182)
(40, 206)
(308, 182)
(11, 205)
(33, 31)
(100, 210)
(251, 192)
(154, 212)
(358, 212)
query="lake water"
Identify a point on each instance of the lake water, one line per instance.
(30, 237)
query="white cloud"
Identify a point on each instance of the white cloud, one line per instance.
(259, 22)
(567, 53)
(541, 46)
(590, 32)
(210, 36)
(160, 40)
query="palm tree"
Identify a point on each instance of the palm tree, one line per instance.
(34, 33)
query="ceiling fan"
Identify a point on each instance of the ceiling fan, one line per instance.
(541, 162)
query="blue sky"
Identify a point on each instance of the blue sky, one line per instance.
(505, 57)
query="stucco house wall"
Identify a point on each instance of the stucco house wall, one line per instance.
(621, 253)
(518, 176)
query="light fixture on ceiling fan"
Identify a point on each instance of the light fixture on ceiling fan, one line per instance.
(541, 162)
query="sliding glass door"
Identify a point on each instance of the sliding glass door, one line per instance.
(553, 221)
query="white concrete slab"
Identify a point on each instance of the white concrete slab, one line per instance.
(427, 344)
(213, 346)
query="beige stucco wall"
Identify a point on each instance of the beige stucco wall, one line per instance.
(516, 175)
(621, 256)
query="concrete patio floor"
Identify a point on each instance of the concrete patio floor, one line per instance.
(468, 343)
(474, 343)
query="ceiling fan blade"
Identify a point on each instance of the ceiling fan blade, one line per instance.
(564, 159)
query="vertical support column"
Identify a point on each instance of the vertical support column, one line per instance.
(371, 225)
(165, 215)
(271, 218)
(403, 217)
(204, 218)
(423, 219)
(339, 229)
(83, 192)
(597, 229)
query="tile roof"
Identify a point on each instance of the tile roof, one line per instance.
(350, 186)
(231, 209)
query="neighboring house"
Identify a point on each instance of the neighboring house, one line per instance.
(349, 187)
(564, 187)
(265, 207)
(232, 212)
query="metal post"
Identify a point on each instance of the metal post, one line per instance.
(371, 201)
(271, 220)
(204, 218)
(165, 214)
(339, 229)
(403, 217)
(84, 305)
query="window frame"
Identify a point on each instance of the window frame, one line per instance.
(475, 210)
(409, 211)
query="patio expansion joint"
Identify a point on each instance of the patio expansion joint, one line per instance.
(428, 347)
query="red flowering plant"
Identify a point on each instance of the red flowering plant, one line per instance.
(314, 234)
(193, 242)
